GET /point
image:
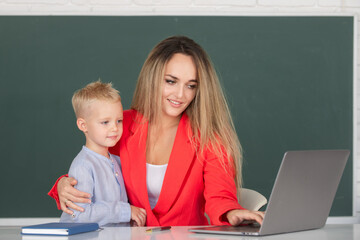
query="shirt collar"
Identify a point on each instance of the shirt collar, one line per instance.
(97, 155)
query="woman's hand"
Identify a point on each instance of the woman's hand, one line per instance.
(68, 195)
(237, 216)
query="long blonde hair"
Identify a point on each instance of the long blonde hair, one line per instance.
(209, 114)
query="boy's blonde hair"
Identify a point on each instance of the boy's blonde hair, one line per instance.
(93, 91)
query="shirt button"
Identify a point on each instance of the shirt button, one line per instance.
(116, 174)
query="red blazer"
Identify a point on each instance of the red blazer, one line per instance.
(192, 184)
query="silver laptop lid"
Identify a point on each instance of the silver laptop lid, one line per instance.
(304, 190)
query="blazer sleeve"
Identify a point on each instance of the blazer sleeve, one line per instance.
(54, 193)
(220, 189)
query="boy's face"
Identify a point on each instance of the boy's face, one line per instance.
(102, 125)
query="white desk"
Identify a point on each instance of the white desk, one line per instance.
(329, 232)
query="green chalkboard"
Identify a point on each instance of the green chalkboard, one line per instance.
(288, 80)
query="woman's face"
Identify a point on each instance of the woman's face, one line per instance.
(179, 86)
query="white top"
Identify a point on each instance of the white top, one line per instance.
(154, 180)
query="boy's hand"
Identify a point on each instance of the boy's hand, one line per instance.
(138, 215)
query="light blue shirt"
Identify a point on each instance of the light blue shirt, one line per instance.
(102, 178)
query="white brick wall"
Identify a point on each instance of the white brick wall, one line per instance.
(180, 7)
(200, 7)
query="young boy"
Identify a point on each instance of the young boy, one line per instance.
(99, 115)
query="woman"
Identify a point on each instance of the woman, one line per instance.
(180, 154)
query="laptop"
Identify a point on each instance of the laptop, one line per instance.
(301, 197)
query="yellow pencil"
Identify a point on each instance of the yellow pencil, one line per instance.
(157, 229)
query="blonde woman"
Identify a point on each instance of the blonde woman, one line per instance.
(180, 154)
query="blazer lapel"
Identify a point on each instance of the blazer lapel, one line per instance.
(136, 149)
(181, 158)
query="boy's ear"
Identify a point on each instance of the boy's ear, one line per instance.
(81, 123)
